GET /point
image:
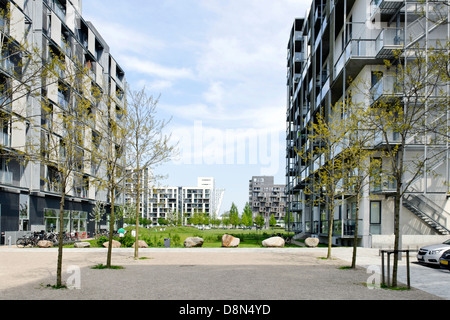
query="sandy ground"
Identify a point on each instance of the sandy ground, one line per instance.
(195, 274)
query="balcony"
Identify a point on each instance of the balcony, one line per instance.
(359, 49)
(296, 206)
(384, 8)
(385, 90)
(388, 42)
(392, 138)
(383, 184)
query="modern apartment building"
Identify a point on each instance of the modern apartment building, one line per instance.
(267, 198)
(29, 199)
(365, 41)
(181, 202)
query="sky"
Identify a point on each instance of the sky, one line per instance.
(219, 68)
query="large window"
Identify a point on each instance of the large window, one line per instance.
(74, 221)
(375, 217)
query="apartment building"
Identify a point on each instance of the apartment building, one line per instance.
(180, 202)
(29, 198)
(267, 198)
(354, 39)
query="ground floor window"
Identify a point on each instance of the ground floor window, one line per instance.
(375, 217)
(73, 221)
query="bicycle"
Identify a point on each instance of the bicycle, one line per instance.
(28, 240)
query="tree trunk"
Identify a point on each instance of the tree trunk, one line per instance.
(355, 238)
(60, 239)
(330, 226)
(397, 238)
(111, 229)
(138, 200)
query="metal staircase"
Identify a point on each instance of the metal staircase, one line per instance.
(429, 212)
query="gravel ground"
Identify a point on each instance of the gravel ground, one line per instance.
(192, 274)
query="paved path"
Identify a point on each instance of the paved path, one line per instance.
(211, 274)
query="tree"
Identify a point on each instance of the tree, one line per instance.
(410, 113)
(259, 220)
(247, 216)
(358, 164)
(226, 219)
(147, 144)
(272, 220)
(61, 148)
(97, 215)
(234, 215)
(108, 151)
(327, 136)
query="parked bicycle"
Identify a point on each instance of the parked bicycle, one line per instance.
(28, 240)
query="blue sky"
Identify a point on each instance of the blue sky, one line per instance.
(220, 68)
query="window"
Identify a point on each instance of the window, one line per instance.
(375, 217)
(6, 176)
(375, 174)
(5, 130)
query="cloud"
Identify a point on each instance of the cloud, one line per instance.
(145, 66)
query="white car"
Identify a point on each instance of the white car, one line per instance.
(431, 254)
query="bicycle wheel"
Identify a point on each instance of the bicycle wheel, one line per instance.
(20, 242)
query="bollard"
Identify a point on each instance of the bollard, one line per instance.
(9, 241)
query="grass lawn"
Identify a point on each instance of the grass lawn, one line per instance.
(154, 237)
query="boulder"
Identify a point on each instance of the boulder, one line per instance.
(45, 244)
(230, 241)
(311, 242)
(141, 244)
(274, 242)
(193, 242)
(115, 244)
(82, 245)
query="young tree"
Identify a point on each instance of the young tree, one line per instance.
(62, 148)
(358, 162)
(410, 113)
(272, 220)
(234, 216)
(107, 155)
(327, 137)
(97, 215)
(259, 221)
(247, 216)
(147, 144)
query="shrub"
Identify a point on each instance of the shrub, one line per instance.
(127, 241)
(102, 240)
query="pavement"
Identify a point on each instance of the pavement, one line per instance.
(201, 274)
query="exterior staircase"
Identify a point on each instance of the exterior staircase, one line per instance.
(429, 212)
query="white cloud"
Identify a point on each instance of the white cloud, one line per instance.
(144, 66)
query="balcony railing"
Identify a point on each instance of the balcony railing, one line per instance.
(355, 48)
(386, 87)
(388, 41)
(6, 177)
(383, 184)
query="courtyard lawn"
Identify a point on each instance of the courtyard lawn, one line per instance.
(154, 237)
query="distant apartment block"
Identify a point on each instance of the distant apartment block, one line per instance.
(180, 202)
(267, 198)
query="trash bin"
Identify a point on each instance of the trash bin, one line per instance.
(167, 243)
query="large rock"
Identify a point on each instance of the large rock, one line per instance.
(115, 244)
(141, 244)
(311, 242)
(274, 242)
(193, 242)
(81, 245)
(45, 244)
(230, 241)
